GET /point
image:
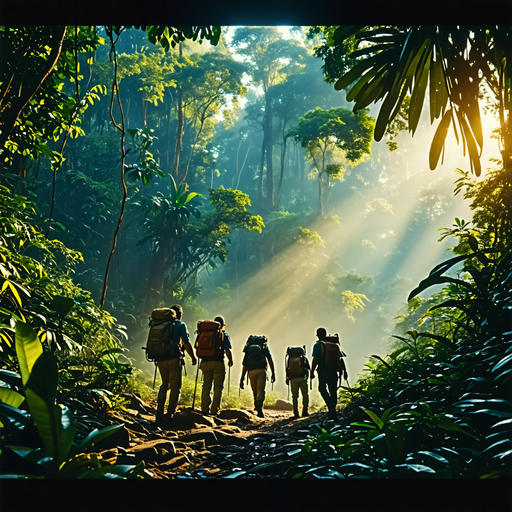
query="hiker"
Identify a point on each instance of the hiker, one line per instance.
(297, 372)
(214, 372)
(170, 366)
(255, 363)
(328, 369)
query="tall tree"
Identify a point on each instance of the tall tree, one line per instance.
(321, 131)
(270, 59)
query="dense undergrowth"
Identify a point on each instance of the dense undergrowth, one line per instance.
(439, 405)
(60, 357)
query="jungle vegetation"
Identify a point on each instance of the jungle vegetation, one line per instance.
(238, 171)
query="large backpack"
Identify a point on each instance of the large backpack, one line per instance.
(160, 344)
(210, 340)
(254, 350)
(331, 353)
(296, 362)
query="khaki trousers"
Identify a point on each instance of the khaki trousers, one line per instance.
(170, 371)
(299, 383)
(258, 378)
(214, 372)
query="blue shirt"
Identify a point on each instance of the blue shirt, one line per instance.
(180, 331)
(317, 350)
(227, 342)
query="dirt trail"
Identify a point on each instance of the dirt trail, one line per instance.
(234, 444)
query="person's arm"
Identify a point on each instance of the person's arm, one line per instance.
(314, 364)
(244, 371)
(190, 352)
(271, 364)
(230, 357)
(343, 369)
(227, 348)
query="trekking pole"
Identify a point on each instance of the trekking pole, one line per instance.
(195, 388)
(229, 377)
(288, 386)
(154, 380)
(349, 388)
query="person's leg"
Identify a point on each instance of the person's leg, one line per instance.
(206, 368)
(322, 388)
(163, 369)
(295, 384)
(219, 374)
(174, 384)
(261, 380)
(253, 382)
(333, 392)
(305, 396)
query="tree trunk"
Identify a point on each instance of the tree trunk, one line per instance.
(179, 130)
(262, 164)
(157, 271)
(16, 101)
(270, 174)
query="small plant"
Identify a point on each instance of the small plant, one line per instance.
(59, 456)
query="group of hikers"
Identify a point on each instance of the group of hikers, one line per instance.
(168, 339)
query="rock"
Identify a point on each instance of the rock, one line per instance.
(230, 429)
(132, 412)
(196, 445)
(225, 439)
(209, 437)
(153, 451)
(135, 403)
(126, 458)
(283, 405)
(175, 462)
(109, 456)
(188, 419)
(135, 427)
(238, 414)
(119, 438)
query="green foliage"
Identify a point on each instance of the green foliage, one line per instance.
(446, 63)
(60, 456)
(437, 406)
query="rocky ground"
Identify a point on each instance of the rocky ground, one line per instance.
(234, 444)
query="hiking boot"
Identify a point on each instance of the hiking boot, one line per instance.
(305, 414)
(260, 412)
(160, 418)
(295, 414)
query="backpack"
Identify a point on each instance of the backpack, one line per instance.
(296, 362)
(254, 357)
(160, 344)
(210, 340)
(331, 353)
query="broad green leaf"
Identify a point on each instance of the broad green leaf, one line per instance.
(28, 349)
(474, 156)
(43, 378)
(45, 421)
(61, 305)
(439, 139)
(435, 456)
(375, 418)
(420, 86)
(98, 435)
(418, 468)
(502, 362)
(20, 418)
(10, 397)
(191, 196)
